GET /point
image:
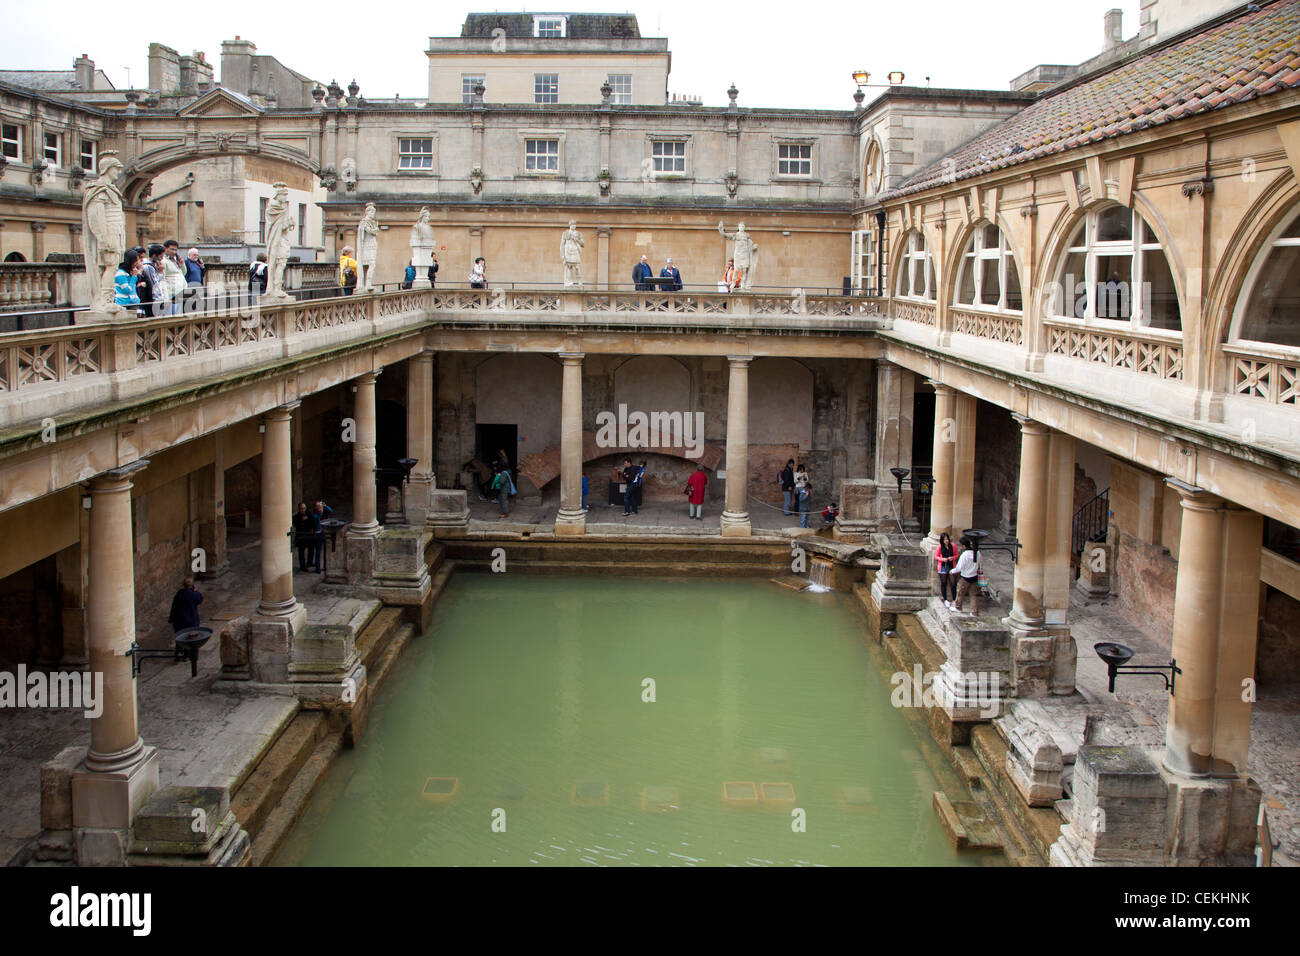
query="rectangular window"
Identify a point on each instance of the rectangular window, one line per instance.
(794, 159)
(302, 223)
(621, 84)
(548, 26)
(53, 149)
(546, 87)
(11, 141)
(89, 152)
(669, 156)
(467, 83)
(542, 155)
(415, 154)
(261, 219)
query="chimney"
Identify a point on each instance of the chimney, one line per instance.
(83, 68)
(1114, 29)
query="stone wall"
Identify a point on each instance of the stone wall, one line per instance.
(1276, 657)
(1145, 575)
(997, 459)
(30, 620)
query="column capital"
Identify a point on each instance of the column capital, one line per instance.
(281, 413)
(476, 230)
(74, 228)
(939, 387)
(572, 358)
(603, 231)
(1194, 498)
(38, 227)
(368, 378)
(115, 478)
(740, 361)
(424, 355)
(1030, 426)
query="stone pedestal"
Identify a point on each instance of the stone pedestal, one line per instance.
(189, 826)
(401, 575)
(270, 644)
(1043, 662)
(103, 804)
(359, 558)
(901, 584)
(868, 507)
(1095, 566)
(448, 508)
(975, 678)
(1034, 765)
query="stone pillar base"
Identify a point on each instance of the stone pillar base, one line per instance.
(570, 522)
(736, 525)
(189, 826)
(1043, 660)
(422, 283)
(401, 575)
(110, 800)
(900, 586)
(969, 696)
(358, 560)
(448, 508)
(270, 645)
(1094, 570)
(417, 494)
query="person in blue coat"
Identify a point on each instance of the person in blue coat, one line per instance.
(669, 271)
(641, 274)
(185, 607)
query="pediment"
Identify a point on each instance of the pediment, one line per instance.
(221, 102)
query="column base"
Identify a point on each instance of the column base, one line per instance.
(448, 508)
(422, 283)
(571, 522)
(1043, 659)
(736, 525)
(109, 800)
(270, 644)
(418, 492)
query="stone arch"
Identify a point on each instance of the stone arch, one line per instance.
(895, 260)
(651, 383)
(524, 389)
(952, 264)
(15, 257)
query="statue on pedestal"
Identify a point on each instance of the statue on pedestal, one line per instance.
(103, 234)
(279, 230)
(367, 247)
(422, 246)
(571, 254)
(746, 255)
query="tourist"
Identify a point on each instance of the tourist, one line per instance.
(503, 486)
(804, 494)
(305, 527)
(945, 559)
(638, 483)
(348, 271)
(173, 274)
(786, 481)
(695, 493)
(258, 276)
(669, 271)
(729, 277)
(408, 277)
(641, 275)
(829, 514)
(185, 607)
(124, 282)
(483, 477)
(801, 478)
(629, 487)
(478, 275)
(968, 570)
(195, 270)
(320, 511)
(584, 493)
(150, 286)
(433, 273)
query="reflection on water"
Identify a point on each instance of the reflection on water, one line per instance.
(517, 731)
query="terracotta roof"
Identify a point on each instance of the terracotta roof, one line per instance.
(1249, 56)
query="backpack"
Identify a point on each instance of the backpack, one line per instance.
(349, 277)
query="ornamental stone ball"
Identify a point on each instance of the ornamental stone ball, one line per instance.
(571, 245)
(103, 223)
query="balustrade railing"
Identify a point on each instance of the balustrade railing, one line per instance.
(909, 311)
(28, 285)
(1149, 354)
(994, 326)
(1274, 378)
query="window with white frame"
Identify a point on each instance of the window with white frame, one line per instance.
(794, 159)
(541, 155)
(549, 26)
(262, 205)
(620, 85)
(1115, 270)
(916, 270)
(302, 223)
(668, 156)
(11, 141)
(546, 87)
(862, 262)
(414, 153)
(1268, 311)
(89, 153)
(988, 276)
(467, 83)
(54, 149)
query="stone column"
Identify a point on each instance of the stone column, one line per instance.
(74, 238)
(1060, 525)
(963, 467)
(38, 242)
(475, 244)
(1031, 527)
(602, 258)
(212, 510)
(277, 515)
(735, 516)
(364, 488)
(945, 447)
(419, 436)
(571, 519)
(895, 399)
(1216, 608)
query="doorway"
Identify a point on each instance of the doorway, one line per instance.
(493, 437)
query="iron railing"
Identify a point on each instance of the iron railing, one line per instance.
(1091, 522)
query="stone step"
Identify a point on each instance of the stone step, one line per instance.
(265, 786)
(615, 553)
(1038, 827)
(606, 568)
(965, 824)
(790, 581)
(291, 805)
(372, 640)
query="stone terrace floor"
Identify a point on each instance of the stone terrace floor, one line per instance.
(202, 734)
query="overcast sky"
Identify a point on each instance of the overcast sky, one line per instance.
(779, 54)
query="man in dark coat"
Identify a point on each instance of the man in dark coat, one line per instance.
(669, 271)
(787, 485)
(185, 607)
(641, 275)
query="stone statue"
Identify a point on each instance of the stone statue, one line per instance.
(367, 247)
(422, 246)
(571, 254)
(746, 255)
(103, 234)
(279, 229)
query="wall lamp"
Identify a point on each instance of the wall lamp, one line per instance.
(863, 78)
(1116, 656)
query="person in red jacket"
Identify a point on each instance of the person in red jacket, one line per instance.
(945, 561)
(695, 492)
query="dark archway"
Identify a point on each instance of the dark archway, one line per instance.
(15, 257)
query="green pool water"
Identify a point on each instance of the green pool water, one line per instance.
(523, 707)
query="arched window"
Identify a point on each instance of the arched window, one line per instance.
(916, 272)
(988, 276)
(1271, 308)
(15, 257)
(1114, 270)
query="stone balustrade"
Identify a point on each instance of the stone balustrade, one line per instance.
(908, 310)
(30, 285)
(1271, 375)
(1005, 327)
(1149, 353)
